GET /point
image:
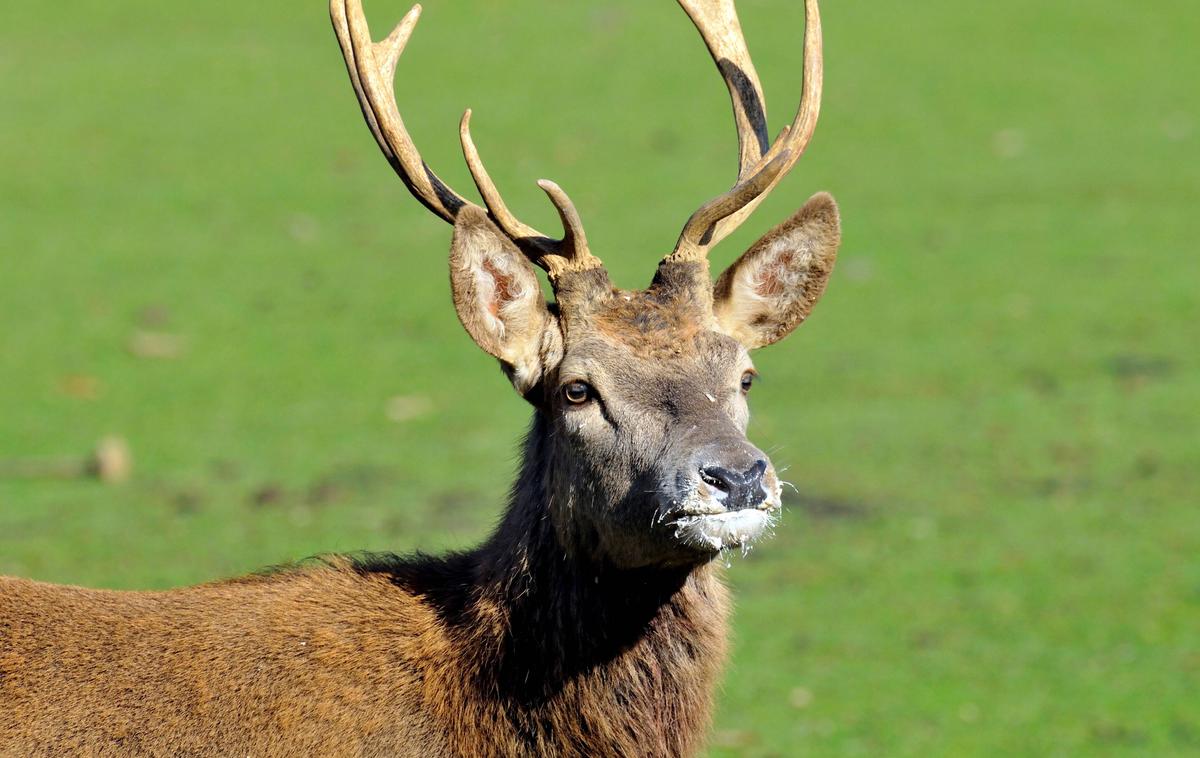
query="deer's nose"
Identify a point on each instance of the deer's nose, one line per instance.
(736, 490)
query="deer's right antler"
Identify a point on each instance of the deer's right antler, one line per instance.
(372, 69)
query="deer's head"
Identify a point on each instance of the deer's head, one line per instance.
(643, 392)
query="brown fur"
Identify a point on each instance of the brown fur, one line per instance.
(503, 651)
(330, 661)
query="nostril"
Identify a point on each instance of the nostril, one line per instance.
(755, 473)
(736, 490)
(721, 478)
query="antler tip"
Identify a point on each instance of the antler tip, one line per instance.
(468, 144)
(406, 25)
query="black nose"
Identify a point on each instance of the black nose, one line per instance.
(741, 490)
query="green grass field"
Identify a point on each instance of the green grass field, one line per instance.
(993, 418)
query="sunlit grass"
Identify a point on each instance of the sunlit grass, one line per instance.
(991, 418)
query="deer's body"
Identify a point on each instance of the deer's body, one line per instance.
(591, 622)
(329, 660)
(318, 661)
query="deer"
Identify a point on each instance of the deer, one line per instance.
(593, 620)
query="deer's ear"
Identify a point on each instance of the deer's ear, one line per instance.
(499, 300)
(773, 286)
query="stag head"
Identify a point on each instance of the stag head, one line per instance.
(641, 394)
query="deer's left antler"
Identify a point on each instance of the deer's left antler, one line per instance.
(761, 163)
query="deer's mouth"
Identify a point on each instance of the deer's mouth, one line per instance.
(705, 521)
(717, 531)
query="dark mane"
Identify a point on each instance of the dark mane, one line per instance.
(443, 581)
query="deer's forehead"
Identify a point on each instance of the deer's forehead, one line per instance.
(646, 359)
(651, 325)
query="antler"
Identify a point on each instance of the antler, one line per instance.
(762, 164)
(372, 68)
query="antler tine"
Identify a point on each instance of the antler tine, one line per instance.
(705, 220)
(557, 257)
(571, 253)
(487, 188)
(372, 67)
(717, 22)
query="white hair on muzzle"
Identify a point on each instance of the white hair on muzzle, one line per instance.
(722, 530)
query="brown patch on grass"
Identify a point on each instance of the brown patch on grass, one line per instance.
(1134, 371)
(268, 494)
(346, 482)
(825, 506)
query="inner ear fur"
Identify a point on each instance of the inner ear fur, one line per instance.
(773, 286)
(499, 299)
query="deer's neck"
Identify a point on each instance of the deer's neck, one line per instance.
(576, 652)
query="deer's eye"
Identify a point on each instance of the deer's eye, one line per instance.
(577, 393)
(747, 381)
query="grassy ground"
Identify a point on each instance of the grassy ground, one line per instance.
(992, 418)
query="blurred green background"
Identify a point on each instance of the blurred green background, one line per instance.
(992, 418)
